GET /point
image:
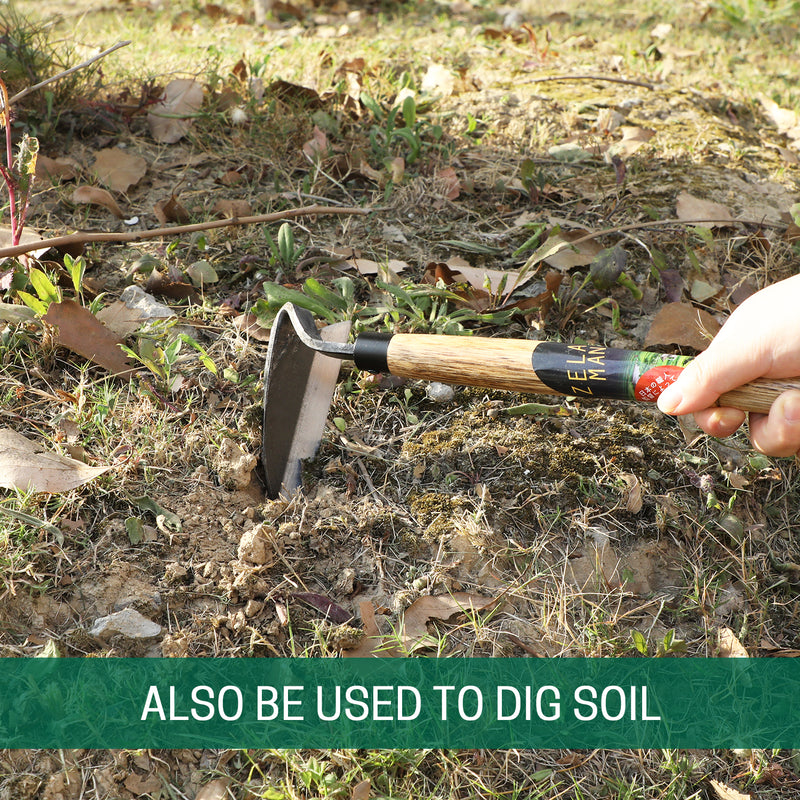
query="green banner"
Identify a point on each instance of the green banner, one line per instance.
(400, 703)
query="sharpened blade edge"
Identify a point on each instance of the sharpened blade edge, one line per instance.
(298, 387)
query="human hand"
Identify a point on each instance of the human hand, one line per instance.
(761, 339)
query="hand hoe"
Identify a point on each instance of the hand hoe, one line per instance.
(303, 364)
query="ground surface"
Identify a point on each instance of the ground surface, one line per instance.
(598, 524)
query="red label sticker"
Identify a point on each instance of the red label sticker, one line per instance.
(654, 381)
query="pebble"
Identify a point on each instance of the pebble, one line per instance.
(127, 622)
(440, 392)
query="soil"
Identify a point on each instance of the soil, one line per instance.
(588, 521)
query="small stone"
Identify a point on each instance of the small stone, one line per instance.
(440, 392)
(128, 622)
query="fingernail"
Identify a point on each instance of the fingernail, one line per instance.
(670, 399)
(791, 408)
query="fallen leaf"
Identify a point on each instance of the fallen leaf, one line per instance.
(725, 792)
(479, 277)
(413, 628)
(214, 790)
(450, 183)
(371, 644)
(118, 169)
(170, 119)
(27, 237)
(632, 496)
(140, 785)
(94, 195)
(333, 611)
(728, 646)
(317, 146)
(383, 270)
(690, 208)
(233, 208)
(702, 290)
(27, 466)
(397, 167)
(361, 791)
(438, 81)
(79, 330)
(248, 325)
(786, 121)
(543, 301)
(683, 325)
(160, 284)
(632, 139)
(62, 168)
(170, 210)
(560, 252)
(131, 311)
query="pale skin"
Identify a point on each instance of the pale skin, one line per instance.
(761, 339)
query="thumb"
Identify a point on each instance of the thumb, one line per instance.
(703, 380)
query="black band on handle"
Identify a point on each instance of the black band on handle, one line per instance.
(370, 351)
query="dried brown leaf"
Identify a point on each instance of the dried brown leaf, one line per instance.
(633, 138)
(118, 169)
(633, 493)
(725, 792)
(683, 325)
(27, 466)
(170, 119)
(695, 208)
(332, 610)
(56, 169)
(371, 644)
(414, 625)
(161, 285)
(170, 210)
(317, 146)
(248, 325)
(79, 330)
(785, 120)
(562, 254)
(728, 646)
(233, 208)
(362, 790)
(28, 237)
(94, 195)
(214, 790)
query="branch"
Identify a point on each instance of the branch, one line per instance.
(608, 78)
(134, 236)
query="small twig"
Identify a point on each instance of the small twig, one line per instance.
(628, 81)
(133, 236)
(82, 65)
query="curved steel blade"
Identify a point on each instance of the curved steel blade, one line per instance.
(298, 386)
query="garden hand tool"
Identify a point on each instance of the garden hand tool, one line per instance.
(303, 364)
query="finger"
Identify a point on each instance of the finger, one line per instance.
(714, 372)
(778, 434)
(719, 422)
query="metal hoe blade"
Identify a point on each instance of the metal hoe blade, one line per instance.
(299, 380)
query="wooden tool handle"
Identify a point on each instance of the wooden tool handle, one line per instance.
(521, 365)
